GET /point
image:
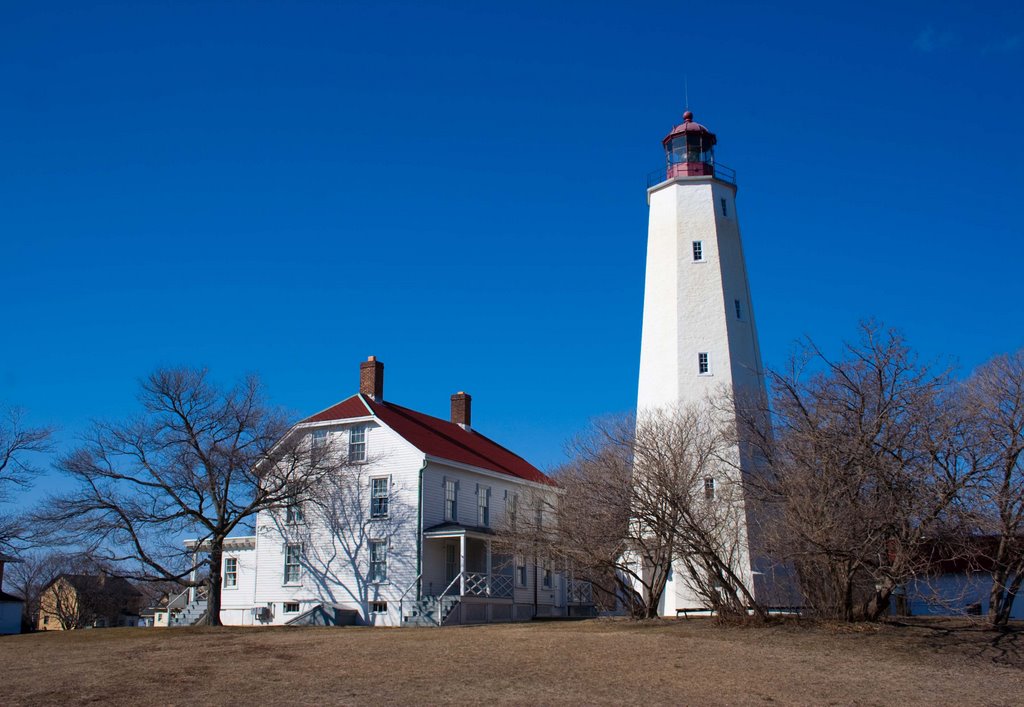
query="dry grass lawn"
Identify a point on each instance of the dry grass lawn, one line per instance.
(592, 662)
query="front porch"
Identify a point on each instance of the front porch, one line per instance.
(463, 580)
(459, 561)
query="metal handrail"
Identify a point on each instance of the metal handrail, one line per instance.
(401, 599)
(440, 597)
(170, 602)
(718, 171)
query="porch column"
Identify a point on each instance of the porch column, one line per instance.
(462, 565)
(488, 567)
(192, 575)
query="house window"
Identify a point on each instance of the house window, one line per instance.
(451, 500)
(703, 363)
(379, 498)
(483, 507)
(378, 561)
(291, 607)
(520, 572)
(357, 444)
(230, 571)
(319, 438)
(293, 511)
(709, 489)
(698, 251)
(511, 508)
(725, 208)
(46, 620)
(292, 554)
(379, 607)
(540, 518)
(739, 310)
(547, 574)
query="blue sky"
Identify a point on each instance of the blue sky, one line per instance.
(286, 188)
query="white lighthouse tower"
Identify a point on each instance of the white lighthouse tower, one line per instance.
(698, 335)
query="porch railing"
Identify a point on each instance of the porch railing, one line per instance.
(581, 592)
(480, 584)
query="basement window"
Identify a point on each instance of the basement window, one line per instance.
(698, 251)
(291, 607)
(379, 607)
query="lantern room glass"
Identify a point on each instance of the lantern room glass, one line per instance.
(692, 148)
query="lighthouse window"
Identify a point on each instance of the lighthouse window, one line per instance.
(725, 208)
(698, 250)
(703, 363)
(709, 489)
(739, 310)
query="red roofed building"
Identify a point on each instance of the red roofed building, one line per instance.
(405, 534)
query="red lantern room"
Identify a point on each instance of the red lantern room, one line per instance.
(690, 150)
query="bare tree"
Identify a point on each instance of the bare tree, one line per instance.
(995, 395)
(199, 461)
(635, 499)
(866, 460)
(18, 443)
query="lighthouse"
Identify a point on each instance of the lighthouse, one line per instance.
(699, 336)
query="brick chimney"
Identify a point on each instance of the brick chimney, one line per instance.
(462, 404)
(371, 378)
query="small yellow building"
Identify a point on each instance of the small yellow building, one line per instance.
(73, 601)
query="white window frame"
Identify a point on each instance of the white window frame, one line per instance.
(697, 250)
(521, 574)
(318, 439)
(297, 564)
(451, 503)
(483, 506)
(547, 575)
(511, 508)
(293, 513)
(286, 610)
(230, 574)
(380, 560)
(704, 362)
(378, 606)
(375, 511)
(710, 490)
(357, 449)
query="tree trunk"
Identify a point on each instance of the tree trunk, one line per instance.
(1009, 594)
(879, 602)
(213, 595)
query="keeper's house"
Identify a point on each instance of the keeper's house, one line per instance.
(406, 538)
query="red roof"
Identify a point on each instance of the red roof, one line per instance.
(689, 126)
(349, 407)
(436, 437)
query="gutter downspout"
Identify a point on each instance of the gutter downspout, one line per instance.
(419, 535)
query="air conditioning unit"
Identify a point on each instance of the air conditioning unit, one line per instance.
(261, 613)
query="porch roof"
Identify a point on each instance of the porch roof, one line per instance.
(454, 530)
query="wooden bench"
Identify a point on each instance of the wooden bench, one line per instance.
(686, 611)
